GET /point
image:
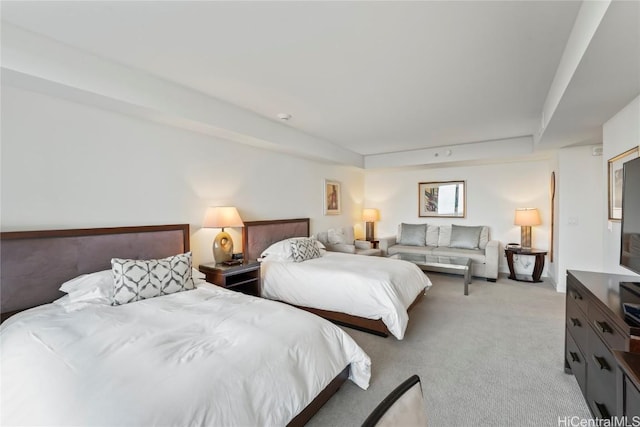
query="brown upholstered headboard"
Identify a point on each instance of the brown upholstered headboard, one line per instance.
(34, 264)
(259, 235)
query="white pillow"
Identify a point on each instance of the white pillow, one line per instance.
(94, 287)
(198, 277)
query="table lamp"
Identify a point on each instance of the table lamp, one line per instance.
(222, 217)
(525, 218)
(370, 216)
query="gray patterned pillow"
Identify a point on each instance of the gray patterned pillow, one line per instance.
(136, 280)
(304, 249)
(463, 237)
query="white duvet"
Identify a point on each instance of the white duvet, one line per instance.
(366, 286)
(203, 357)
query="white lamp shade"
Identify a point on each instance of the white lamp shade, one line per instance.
(221, 217)
(527, 217)
(370, 215)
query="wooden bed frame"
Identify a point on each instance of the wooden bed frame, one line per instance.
(35, 263)
(259, 235)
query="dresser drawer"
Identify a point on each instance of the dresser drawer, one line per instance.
(577, 324)
(575, 358)
(604, 327)
(601, 371)
(576, 294)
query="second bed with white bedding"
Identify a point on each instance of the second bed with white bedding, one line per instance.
(369, 287)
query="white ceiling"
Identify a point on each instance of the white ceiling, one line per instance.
(372, 77)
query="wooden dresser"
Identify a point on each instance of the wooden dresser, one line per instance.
(596, 325)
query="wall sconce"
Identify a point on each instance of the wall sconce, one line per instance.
(222, 217)
(370, 216)
(525, 218)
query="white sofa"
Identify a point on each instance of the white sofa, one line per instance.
(343, 240)
(448, 240)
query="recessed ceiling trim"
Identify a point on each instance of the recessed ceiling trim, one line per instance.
(516, 146)
(37, 63)
(586, 24)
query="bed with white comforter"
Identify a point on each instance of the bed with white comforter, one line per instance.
(364, 286)
(207, 356)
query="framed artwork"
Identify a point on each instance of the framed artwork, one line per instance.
(615, 182)
(446, 199)
(332, 198)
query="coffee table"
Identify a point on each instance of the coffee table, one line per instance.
(440, 264)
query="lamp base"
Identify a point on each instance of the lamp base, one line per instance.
(525, 236)
(369, 232)
(222, 247)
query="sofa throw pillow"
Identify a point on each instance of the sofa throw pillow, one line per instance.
(135, 280)
(432, 235)
(484, 237)
(463, 237)
(444, 236)
(304, 249)
(413, 234)
(337, 236)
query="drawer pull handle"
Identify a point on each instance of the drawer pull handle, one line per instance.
(602, 363)
(603, 326)
(576, 295)
(574, 357)
(602, 409)
(575, 322)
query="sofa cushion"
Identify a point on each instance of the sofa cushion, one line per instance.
(413, 234)
(369, 252)
(463, 237)
(484, 237)
(432, 235)
(444, 237)
(338, 236)
(341, 247)
(425, 250)
(476, 255)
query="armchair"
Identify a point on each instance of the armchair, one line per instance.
(343, 240)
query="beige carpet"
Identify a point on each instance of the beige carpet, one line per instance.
(493, 358)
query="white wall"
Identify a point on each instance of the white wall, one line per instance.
(620, 133)
(580, 215)
(67, 165)
(493, 193)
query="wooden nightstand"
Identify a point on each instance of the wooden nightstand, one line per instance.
(243, 278)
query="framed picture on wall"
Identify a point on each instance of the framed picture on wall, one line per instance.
(445, 199)
(615, 182)
(332, 198)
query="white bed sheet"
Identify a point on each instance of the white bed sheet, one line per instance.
(203, 357)
(366, 286)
